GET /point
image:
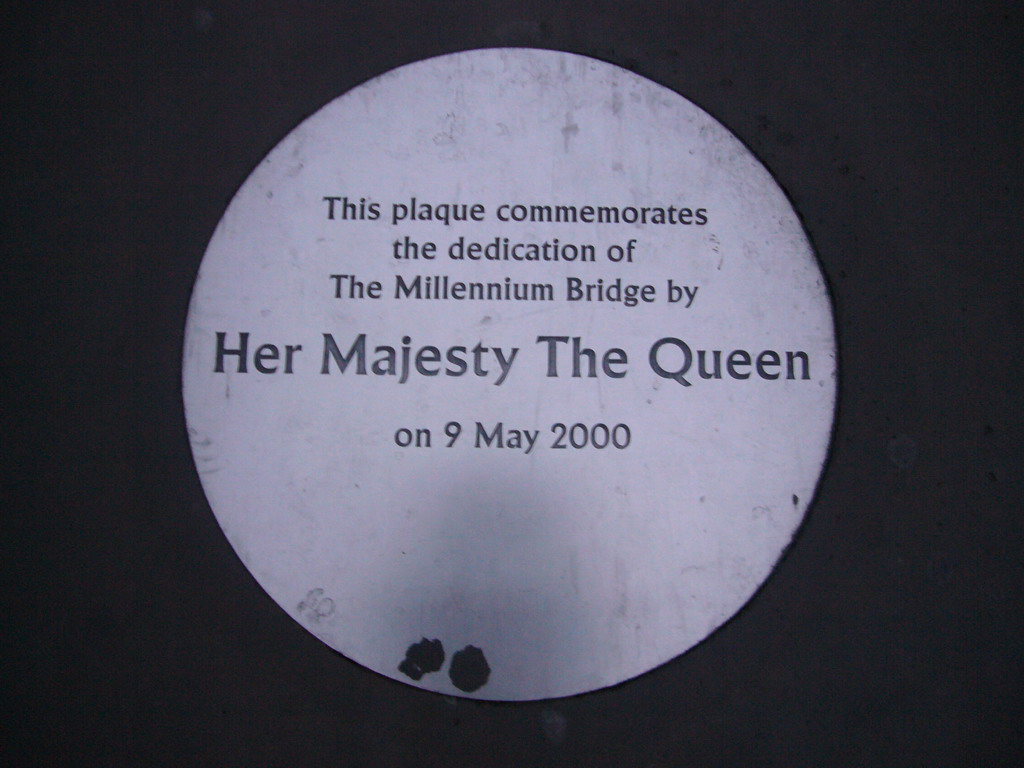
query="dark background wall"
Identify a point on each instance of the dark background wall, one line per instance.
(890, 634)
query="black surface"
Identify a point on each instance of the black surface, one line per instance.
(890, 634)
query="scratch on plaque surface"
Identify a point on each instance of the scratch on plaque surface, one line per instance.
(716, 247)
(315, 606)
(200, 449)
(569, 130)
(763, 512)
(617, 102)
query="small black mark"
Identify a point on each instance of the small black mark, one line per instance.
(796, 500)
(422, 658)
(469, 670)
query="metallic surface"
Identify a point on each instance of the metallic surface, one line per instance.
(573, 563)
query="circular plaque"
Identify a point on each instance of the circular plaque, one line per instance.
(510, 374)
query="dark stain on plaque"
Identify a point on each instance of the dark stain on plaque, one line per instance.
(422, 658)
(469, 670)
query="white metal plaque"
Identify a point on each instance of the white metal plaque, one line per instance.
(510, 374)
